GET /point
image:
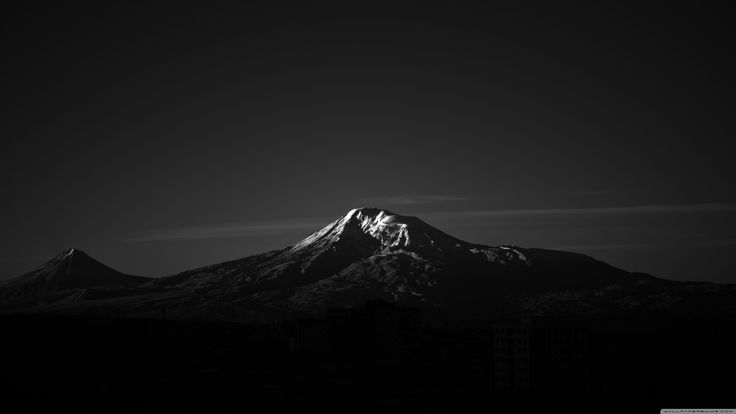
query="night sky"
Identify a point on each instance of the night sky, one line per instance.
(161, 138)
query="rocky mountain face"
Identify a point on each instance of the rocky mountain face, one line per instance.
(70, 270)
(375, 254)
(366, 253)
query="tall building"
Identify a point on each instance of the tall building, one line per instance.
(511, 357)
(540, 357)
(378, 331)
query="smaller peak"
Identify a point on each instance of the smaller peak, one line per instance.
(71, 252)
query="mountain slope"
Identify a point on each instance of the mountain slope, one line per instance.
(371, 253)
(359, 239)
(69, 270)
(376, 254)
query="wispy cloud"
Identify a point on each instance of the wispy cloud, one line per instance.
(652, 245)
(23, 259)
(642, 209)
(408, 199)
(265, 228)
(233, 230)
(618, 246)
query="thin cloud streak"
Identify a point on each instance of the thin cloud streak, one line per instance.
(225, 231)
(661, 245)
(409, 200)
(644, 209)
(583, 247)
(264, 228)
(23, 259)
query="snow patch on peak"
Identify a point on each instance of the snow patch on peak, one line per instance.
(390, 229)
(70, 253)
(501, 254)
(518, 254)
(352, 212)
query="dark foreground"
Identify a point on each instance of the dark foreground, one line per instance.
(66, 364)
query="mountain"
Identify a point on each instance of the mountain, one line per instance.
(70, 270)
(376, 254)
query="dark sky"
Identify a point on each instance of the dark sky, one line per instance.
(161, 138)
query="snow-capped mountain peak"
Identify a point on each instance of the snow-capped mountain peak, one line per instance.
(65, 257)
(389, 229)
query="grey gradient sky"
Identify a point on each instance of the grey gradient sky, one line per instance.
(166, 137)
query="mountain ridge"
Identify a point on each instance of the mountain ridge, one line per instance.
(71, 269)
(371, 253)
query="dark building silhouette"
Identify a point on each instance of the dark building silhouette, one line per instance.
(540, 357)
(511, 357)
(379, 331)
(304, 336)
